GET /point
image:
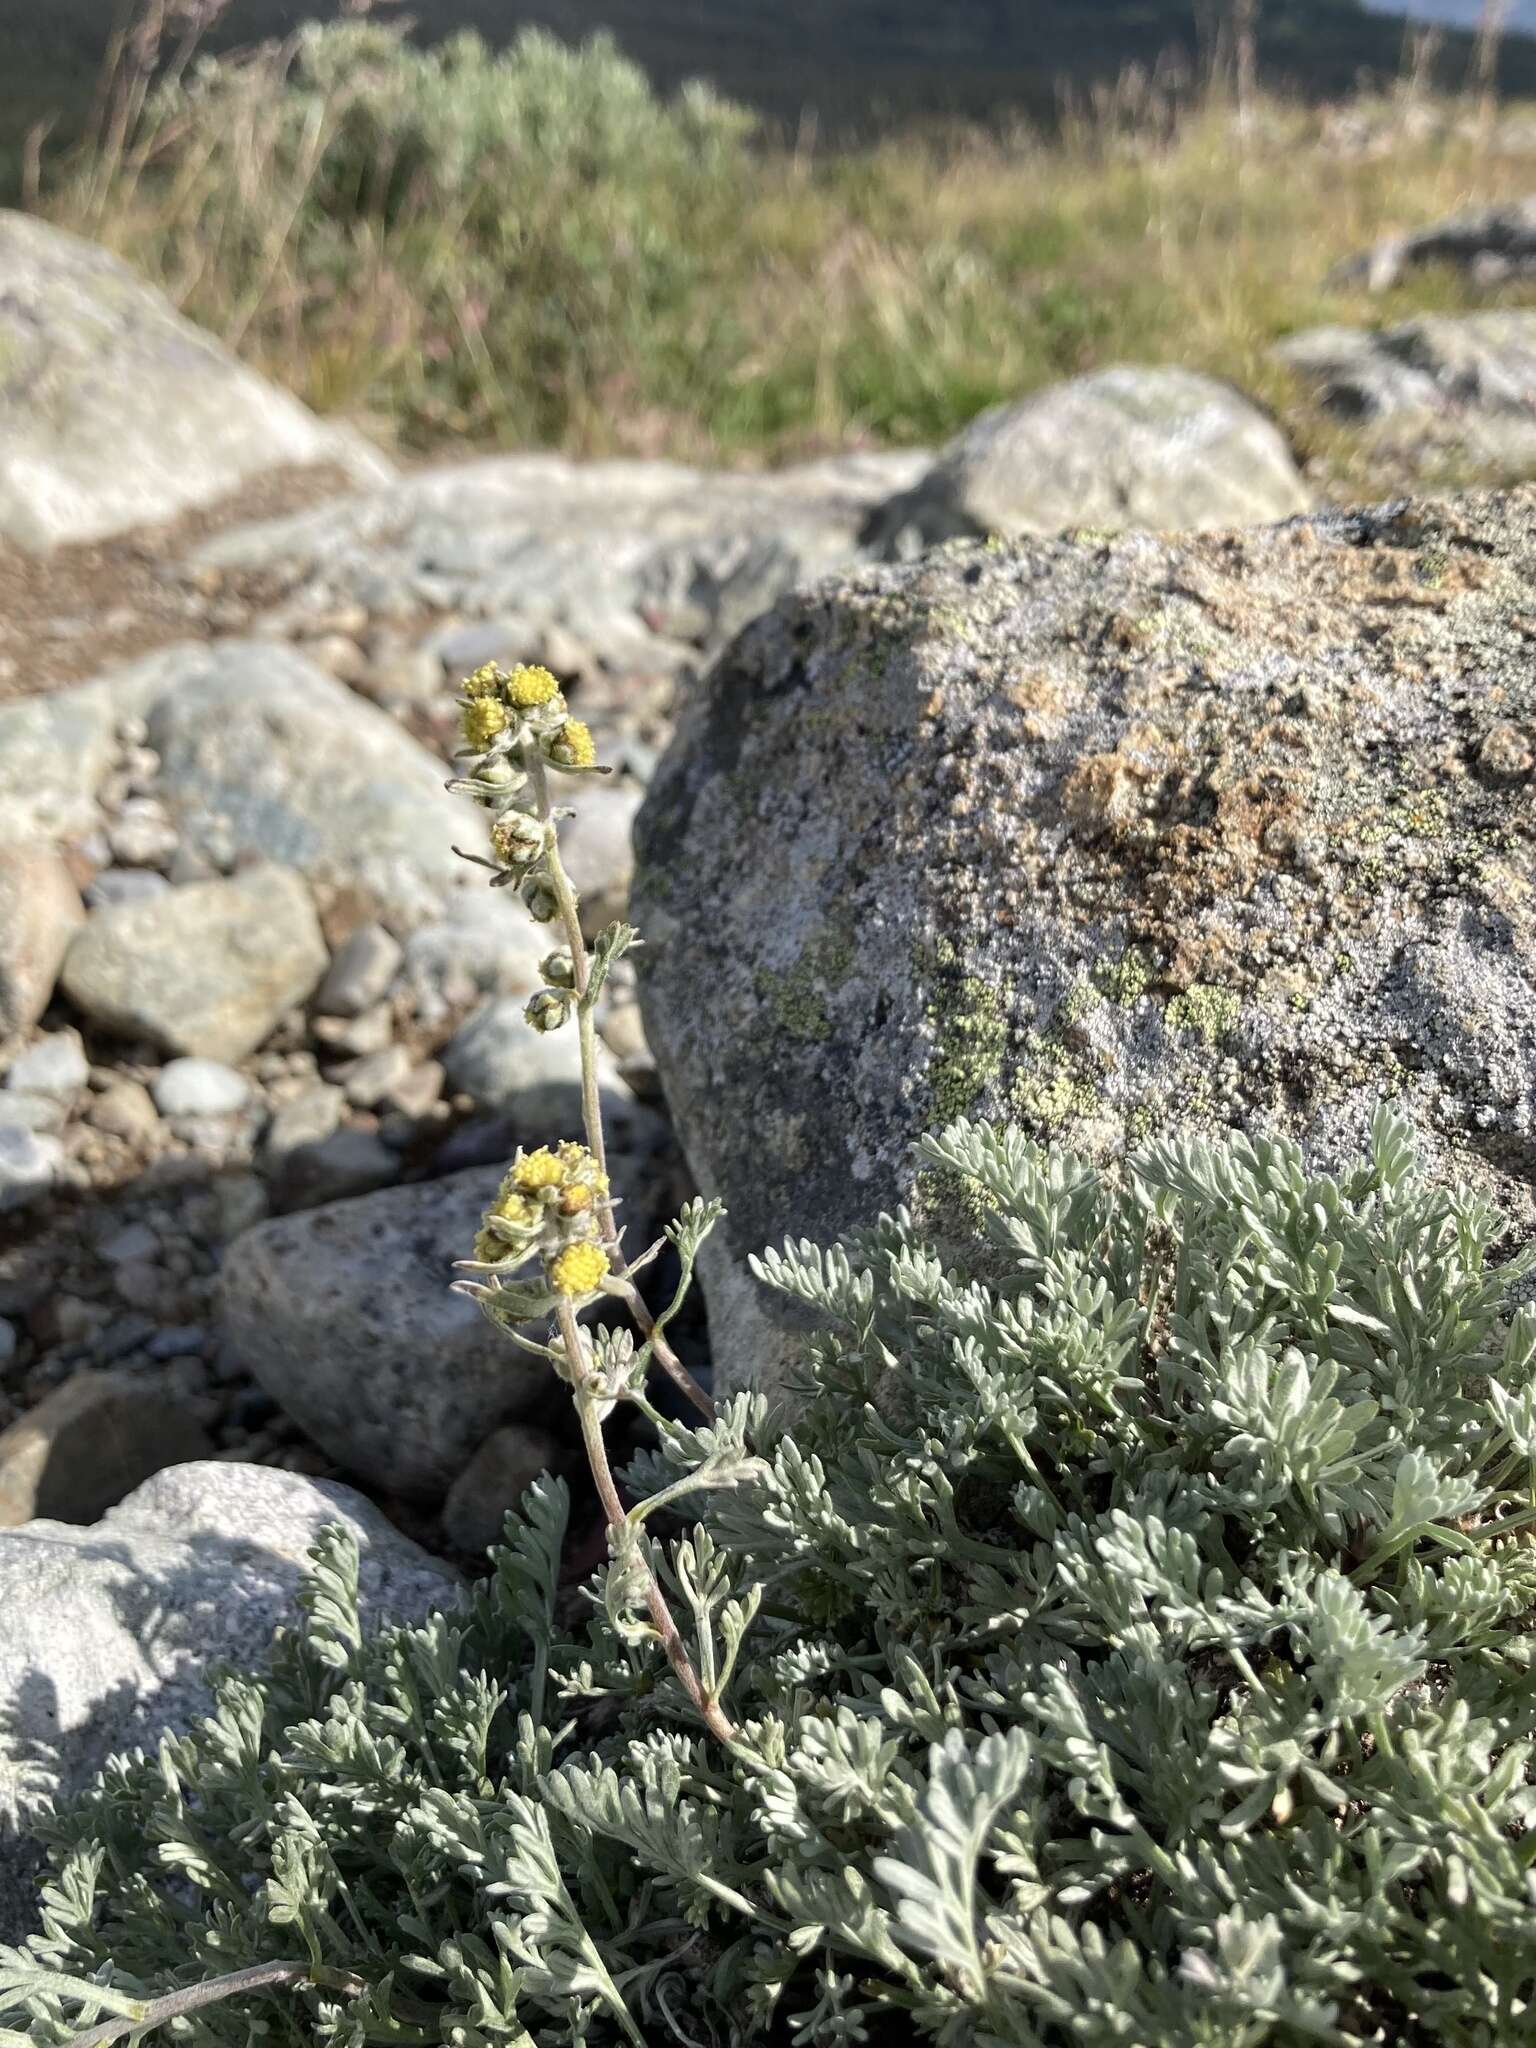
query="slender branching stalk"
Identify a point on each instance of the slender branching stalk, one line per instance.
(557, 1205)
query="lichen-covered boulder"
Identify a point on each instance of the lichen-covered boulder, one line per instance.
(1159, 447)
(1111, 838)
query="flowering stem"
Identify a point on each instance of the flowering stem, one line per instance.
(586, 1023)
(618, 1524)
(591, 1101)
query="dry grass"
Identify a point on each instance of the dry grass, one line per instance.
(602, 272)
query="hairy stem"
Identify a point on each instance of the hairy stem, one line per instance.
(618, 1523)
(175, 2005)
(570, 917)
(591, 1101)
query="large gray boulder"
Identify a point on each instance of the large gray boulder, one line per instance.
(1440, 397)
(345, 1314)
(111, 1631)
(1111, 838)
(262, 756)
(1162, 448)
(640, 561)
(115, 412)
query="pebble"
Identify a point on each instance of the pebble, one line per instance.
(370, 1032)
(375, 1078)
(125, 885)
(56, 1065)
(133, 1242)
(182, 1339)
(31, 1112)
(348, 1162)
(31, 1162)
(305, 1119)
(142, 836)
(200, 1087)
(361, 973)
(494, 1481)
(124, 1110)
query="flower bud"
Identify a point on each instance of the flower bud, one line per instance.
(516, 839)
(547, 1010)
(571, 745)
(538, 894)
(558, 968)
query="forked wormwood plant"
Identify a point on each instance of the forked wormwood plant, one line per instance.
(556, 1206)
(1128, 1639)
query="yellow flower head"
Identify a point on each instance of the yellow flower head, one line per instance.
(578, 1269)
(485, 682)
(573, 746)
(575, 1198)
(528, 686)
(536, 1170)
(512, 1207)
(481, 720)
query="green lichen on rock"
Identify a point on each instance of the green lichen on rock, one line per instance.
(968, 1019)
(1210, 1011)
(797, 998)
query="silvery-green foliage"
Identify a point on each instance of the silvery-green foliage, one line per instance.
(1129, 1643)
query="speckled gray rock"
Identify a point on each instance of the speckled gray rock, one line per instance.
(626, 559)
(344, 1315)
(111, 1631)
(40, 909)
(116, 412)
(206, 970)
(1167, 449)
(264, 754)
(1110, 837)
(1438, 397)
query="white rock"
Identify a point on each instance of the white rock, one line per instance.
(115, 411)
(198, 1087)
(110, 1631)
(56, 1065)
(30, 1164)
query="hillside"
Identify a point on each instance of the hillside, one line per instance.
(854, 63)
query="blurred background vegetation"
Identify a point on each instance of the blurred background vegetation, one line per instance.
(874, 219)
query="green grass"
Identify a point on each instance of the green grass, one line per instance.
(533, 248)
